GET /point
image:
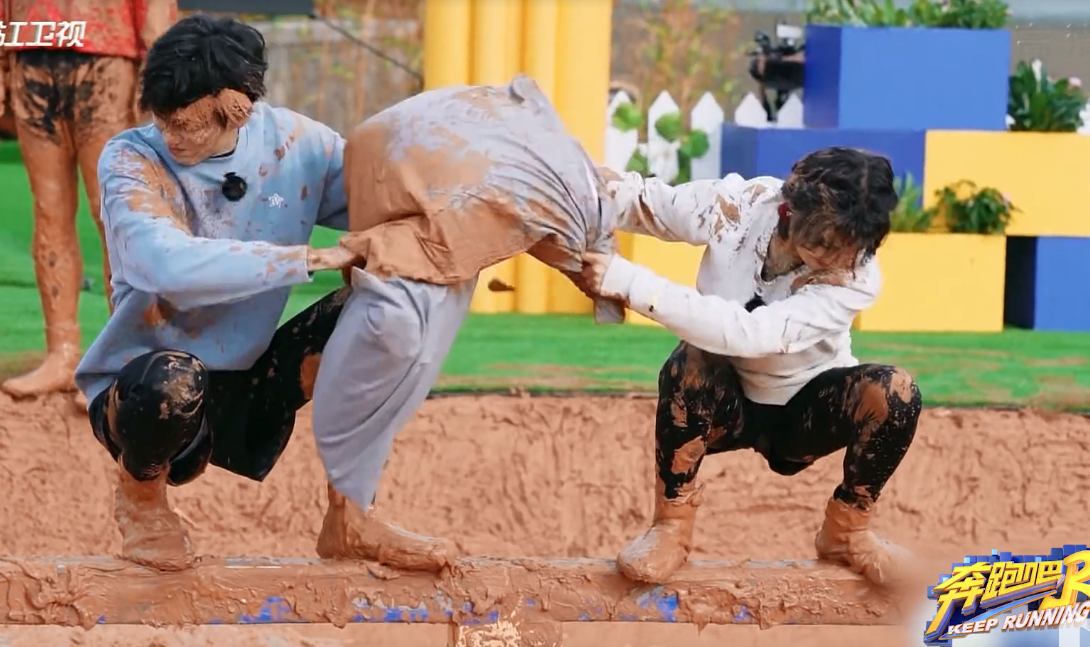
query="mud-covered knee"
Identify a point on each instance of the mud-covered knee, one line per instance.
(178, 380)
(693, 370)
(902, 389)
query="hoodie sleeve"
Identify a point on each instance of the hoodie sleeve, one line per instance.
(822, 309)
(333, 208)
(156, 253)
(696, 212)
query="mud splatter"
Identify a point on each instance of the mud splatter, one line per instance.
(498, 285)
(308, 372)
(538, 495)
(900, 384)
(197, 131)
(688, 455)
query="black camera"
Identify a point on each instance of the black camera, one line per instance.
(778, 67)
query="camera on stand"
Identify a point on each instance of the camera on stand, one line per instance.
(778, 67)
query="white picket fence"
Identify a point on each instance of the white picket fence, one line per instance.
(706, 115)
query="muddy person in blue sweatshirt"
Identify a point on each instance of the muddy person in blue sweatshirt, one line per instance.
(208, 212)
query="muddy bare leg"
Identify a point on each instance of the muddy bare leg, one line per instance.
(108, 86)
(88, 156)
(58, 265)
(700, 402)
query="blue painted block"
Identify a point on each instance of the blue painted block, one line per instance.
(751, 152)
(906, 78)
(1045, 287)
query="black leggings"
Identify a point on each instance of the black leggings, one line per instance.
(870, 409)
(166, 411)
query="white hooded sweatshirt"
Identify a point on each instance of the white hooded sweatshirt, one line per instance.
(804, 328)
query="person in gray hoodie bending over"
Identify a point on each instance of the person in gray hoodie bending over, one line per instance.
(440, 186)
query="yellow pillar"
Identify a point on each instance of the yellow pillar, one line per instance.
(490, 65)
(584, 30)
(539, 43)
(538, 59)
(446, 43)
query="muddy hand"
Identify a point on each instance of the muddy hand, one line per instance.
(589, 279)
(338, 257)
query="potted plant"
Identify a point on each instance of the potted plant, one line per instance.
(668, 157)
(1042, 163)
(937, 64)
(943, 266)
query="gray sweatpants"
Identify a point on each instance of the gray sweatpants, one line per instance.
(377, 368)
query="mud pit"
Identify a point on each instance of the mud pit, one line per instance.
(550, 477)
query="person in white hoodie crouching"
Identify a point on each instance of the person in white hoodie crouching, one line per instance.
(765, 360)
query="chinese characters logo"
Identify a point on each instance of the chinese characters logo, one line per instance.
(42, 34)
(979, 595)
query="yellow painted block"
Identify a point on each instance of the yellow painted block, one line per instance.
(485, 301)
(1046, 175)
(565, 298)
(532, 285)
(447, 26)
(488, 51)
(583, 32)
(539, 42)
(939, 283)
(677, 262)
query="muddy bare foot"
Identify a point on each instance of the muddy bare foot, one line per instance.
(350, 533)
(56, 374)
(661, 551)
(844, 539)
(152, 533)
(79, 401)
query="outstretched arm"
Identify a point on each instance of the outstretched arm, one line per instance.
(159, 257)
(695, 212)
(824, 308)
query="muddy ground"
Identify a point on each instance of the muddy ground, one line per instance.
(551, 477)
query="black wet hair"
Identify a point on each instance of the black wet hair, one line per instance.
(199, 56)
(841, 192)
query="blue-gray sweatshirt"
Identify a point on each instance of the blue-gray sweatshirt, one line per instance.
(193, 271)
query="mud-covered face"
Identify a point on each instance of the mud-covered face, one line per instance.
(205, 128)
(820, 246)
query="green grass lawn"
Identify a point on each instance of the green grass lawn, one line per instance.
(561, 353)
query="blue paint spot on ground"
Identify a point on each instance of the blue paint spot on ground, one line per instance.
(664, 605)
(274, 611)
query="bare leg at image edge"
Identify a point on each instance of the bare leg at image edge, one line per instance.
(872, 410)
(67, 105)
